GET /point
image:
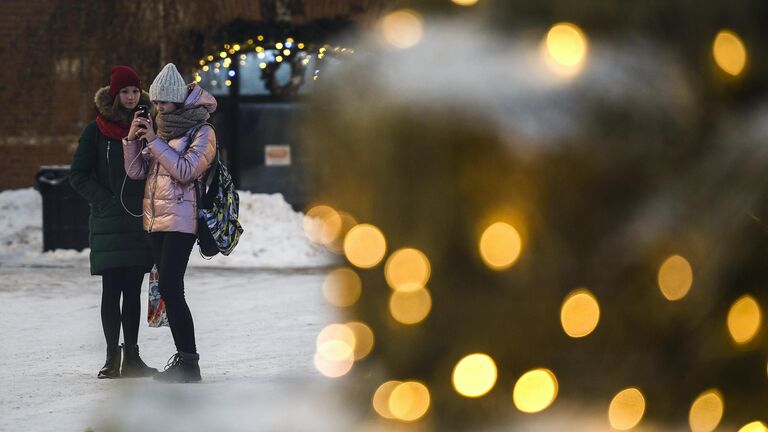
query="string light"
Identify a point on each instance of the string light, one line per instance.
(706, 411)
(729, 52)
(626, 409)
(474, 375)
(535, 390)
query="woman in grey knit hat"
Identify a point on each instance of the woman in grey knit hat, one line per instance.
(171, 161)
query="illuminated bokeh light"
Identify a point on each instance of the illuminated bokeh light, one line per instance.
(335, 350)
(402, 28)
(626, 409)
(706, 411)
(565, 48)
(755, 426)
(410, 307)
(363, 339)
(474, 375)
(381, 399)
(322, 224)
(744, 319)
(342, 287)
(580, 313)
(409, 401)
(500, 246)
(675, 277)
(347, 222)
(535, 390)
(336, 342)
(729, 52)
(407, 270)
(365, 246)
(333, 369)
(465, 2)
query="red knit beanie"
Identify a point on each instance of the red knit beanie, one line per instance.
(122, 76)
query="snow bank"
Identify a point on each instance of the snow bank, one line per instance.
(273, 235)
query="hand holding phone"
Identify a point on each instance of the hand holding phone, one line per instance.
(143, 111)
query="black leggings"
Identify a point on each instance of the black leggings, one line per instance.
(116, 281)
(171, 252)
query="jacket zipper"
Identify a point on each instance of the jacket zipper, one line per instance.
(109, 168)
(152, 198)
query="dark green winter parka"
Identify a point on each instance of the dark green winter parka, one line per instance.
(97, 172)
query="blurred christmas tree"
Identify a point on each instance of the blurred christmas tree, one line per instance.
(548, 204)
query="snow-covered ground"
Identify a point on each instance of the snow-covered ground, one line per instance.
(273, 236)
(256, 335)
(256, 325)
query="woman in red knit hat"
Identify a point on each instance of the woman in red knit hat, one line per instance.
(119, 251)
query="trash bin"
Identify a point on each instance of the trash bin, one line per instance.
(65, 212)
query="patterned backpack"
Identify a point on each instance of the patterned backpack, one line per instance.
(218, 207)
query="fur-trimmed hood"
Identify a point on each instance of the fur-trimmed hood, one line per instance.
(104, 103)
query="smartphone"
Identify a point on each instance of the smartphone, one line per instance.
(143, 111)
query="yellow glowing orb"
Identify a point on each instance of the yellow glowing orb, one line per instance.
(409, 401)
(580, 313)
(706, 411)
(363, 338)
(500, 246)
(474, 375)
(365, 246)
(337, 333)
(342, 287)
(755, 426)
(729, 52)
(381, 399)
(465, 2)
(335, 350)
(566, 44)
(347, 222)
(322, 224)
(331, 368)
(744, 319)
(675, 277)
(407, 270)
(535, 390)
(402, 28)
(626, 409)
(410, 307)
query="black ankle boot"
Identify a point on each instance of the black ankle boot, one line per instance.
(111, 368)
(133, 365)
(181, 368)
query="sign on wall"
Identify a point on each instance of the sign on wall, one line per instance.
(277, 155)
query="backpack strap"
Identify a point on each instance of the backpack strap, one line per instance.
(207, 174)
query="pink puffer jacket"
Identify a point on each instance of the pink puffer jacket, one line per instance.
(171, 169)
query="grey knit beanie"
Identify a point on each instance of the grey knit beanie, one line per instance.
(168, 86)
